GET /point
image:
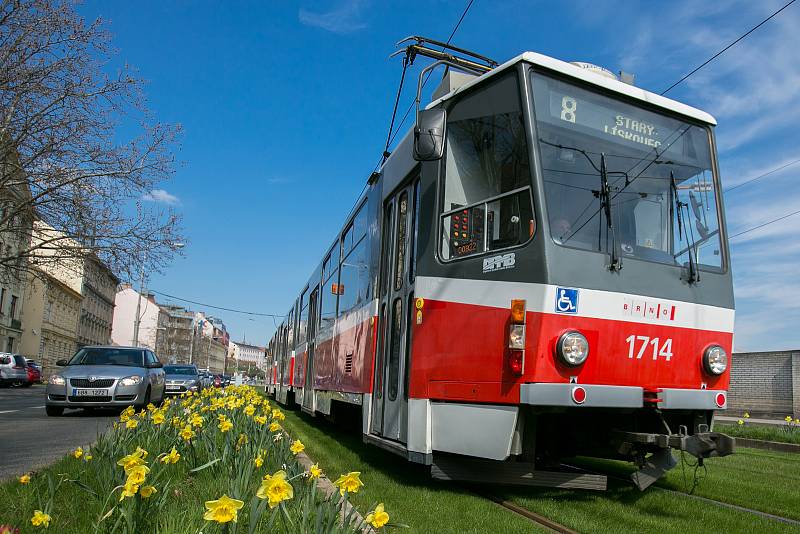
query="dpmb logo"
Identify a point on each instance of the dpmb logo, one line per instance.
(566, 300)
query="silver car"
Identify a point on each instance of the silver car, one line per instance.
(13, 369)
(102, 377)
(182, 378)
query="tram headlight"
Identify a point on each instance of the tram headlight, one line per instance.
(572, 348)
(715, 360)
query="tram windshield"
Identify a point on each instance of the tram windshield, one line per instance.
(650, 173)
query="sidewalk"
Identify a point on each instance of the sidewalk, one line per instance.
(729, 419)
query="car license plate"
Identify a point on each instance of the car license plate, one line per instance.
(172, 388)
(89, 393)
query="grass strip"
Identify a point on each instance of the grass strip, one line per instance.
(783, 434)
(416, 500)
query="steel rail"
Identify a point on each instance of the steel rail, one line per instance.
(542, 521)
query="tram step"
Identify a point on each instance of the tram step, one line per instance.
(515, 473)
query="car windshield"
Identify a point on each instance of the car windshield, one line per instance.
(108, 356)
(179, 370)
(661, 188)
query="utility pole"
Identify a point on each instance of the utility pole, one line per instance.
(138, 318)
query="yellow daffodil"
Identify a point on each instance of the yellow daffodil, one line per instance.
(187, 433)
(150, 406)
(147, 491)
(131, 423)
(171, 457)
(297, 447)
(797, 421)
(77, 453)
(747, 415)
(275, 488)
(24, 479)
(314, 472)
(136, 475)
(788, 419)
(277, 414)
(129, 489)
(157, 418)
(274, 427)
(88, 457)
(223, 510)
(260, 419)
(349, 483)
(40, 519)
(739, 422)
(259, 461)
(249, 410)
(196, 420)
(225, 425)
(132, 460)
(377, 518)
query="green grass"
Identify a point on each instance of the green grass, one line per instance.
(783, 433)
(410, 495)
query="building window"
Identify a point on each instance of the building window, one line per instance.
(10, 344)
(2, 301)
(13, 310)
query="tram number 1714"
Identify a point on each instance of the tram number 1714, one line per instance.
(644, 343)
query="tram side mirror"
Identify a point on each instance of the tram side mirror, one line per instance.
(429, 134)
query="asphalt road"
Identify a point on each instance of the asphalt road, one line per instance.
(30, 440)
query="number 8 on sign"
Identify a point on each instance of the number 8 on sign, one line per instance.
(568, 108)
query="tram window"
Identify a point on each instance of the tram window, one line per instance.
(659, 170)
(487, 200)
(331, 263)
(355, 280)
(290, 330)
(329, 300)
(302, 323)
(394, 348)
(355, 231)
(402, 230)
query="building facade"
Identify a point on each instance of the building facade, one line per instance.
(211, 343)
(246, 356)
(153, 324)
(16, 225)
(97, 308)
(178, 347)
(51, 320)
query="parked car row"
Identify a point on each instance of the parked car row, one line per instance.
(17, 370)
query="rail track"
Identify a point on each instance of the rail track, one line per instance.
(540, 520)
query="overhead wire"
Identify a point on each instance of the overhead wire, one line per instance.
(715, 56)
(762, 225)
(233, 310)
(751, 180)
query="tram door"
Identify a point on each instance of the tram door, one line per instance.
(390, 399)
(308, 384)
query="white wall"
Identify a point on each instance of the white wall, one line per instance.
(125, 316)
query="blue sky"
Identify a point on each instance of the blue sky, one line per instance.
(285, 107)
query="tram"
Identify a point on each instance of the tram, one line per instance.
(539, 270)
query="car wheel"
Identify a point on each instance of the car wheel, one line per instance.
(145, 401)
(54, 411)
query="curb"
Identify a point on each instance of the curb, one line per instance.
(768, 445)
(324, 484)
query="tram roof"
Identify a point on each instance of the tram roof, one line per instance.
(579, 73)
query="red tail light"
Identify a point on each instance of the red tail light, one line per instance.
(515, 362)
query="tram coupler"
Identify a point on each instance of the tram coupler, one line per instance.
(637, 445)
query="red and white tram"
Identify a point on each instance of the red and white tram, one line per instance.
(539, 270)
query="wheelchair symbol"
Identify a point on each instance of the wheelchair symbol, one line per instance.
(566, 300)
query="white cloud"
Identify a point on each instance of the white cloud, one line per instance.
(162, 196)
(344, 19)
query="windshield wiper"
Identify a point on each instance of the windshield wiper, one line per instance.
(605, 205)
(676, 209)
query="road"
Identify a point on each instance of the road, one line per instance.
(31, 440)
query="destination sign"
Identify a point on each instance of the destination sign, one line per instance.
(618, 121)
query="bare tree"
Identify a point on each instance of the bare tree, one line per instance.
(79, 149)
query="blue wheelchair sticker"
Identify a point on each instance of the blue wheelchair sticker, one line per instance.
(566, 300)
